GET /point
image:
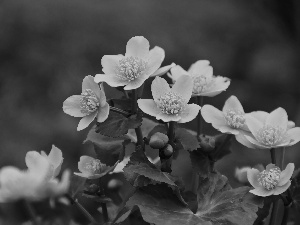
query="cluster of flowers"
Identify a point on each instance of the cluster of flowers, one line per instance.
(258, 129)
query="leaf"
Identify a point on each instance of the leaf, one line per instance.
(158, 205)
(222, 146)
(139, 168)
(159, 128)
(124, 104)
(295, 192)
(109, 150)
(117, 125)
(186, 140)
(263, 212)
(220, 204)
(77, 185)
(200, 163)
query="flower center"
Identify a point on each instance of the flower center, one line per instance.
(89, 102)
(171, 103)
(269, 179)
(130, 68)
(94, 166)
(201, 83)
(235, 118)
(270, 135)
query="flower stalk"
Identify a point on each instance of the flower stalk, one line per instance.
(199, 100)
(134, 109)
(31, 212)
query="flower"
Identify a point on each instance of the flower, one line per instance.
(170, 104)
(91, 168)
(35, 183)
(269, 130)
(271, 181)
(135, 67)
(230, 120)
(89, 105)
(205, 84)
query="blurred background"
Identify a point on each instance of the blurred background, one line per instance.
(48, 46)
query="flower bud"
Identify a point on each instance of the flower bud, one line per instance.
(207, 142)
(158, 140)
(168, 150)
(241, 174)
(114, 184)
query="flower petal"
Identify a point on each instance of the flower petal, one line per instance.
(244, 141)
(176, 72)
(103, 113)
(214, 116)
(253, 124)
(159, 87)
(7, 173)
(56, 159)
(85, 121)
(111, 80)
(149, 107)
(137, 47)
(256, 144)
(89, 83)
(290, 125)
(184, 87)
(232, 103)
(262, 192)
(163, 70)
(167, 117)
(220, 84)
(136, 83)
(259, 115)
(83, 161)
(110, 63)
(156, 57)
(228, 130)
(286, 174)
(278, 117)
(37, 164)
(201, 67)
(71, 106)
(252, 175)
(280, 189)
(294, 135)
(190, 113)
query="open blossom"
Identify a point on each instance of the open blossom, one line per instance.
(35, 183)
(91, 168)
(135, 67)
(270, 130)
(205, 84)
(89, 105)
(271, 181)
(230, 120)
(170, 104)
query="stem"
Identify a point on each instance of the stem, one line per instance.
(274, 213)
(117, 110)
(104, 212)
(31, 212)
(166, 161)
(199, 100)
(285, 215)
(125, 93)
(171, 131)
(82, 209)
(134, 109)
(273, 156)
(281, 158)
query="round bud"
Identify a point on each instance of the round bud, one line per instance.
(114, 184)
(168, 150)
(158, 140)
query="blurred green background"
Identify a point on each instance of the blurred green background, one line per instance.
(48, 46)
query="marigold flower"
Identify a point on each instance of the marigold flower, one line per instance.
(230, 120)
(91, 168)
(205, 84)
(270, 130)
(135, 67)
(37, 182)
(89, 105)
(170, 104)
(271, 181)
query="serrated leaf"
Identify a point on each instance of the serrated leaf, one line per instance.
(200, 163)
(222, 146)
(220, 204)
(124, 104)
(263, 212)
(139, 165)
(159, 206)
(108, 149)
(187, 140)
(117, 125)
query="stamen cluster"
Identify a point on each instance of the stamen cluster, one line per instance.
(269, 179)
(131, 68)
(171, 103)
(201, 83)
(94, 166)
(235, 118)
(270, 135)
(89, 102)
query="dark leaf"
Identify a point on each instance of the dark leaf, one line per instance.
(200, 163)
(222, 146)
(158, 205)
(159, 128)
(220, 204)
(263, 212)
(77, 185)
(124, 104)
(117, 125)
(187, 140)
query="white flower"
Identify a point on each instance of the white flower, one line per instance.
(135, 67)
(37, 182)
(89, 105)
(205, 84)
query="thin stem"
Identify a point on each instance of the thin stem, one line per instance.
(273, 156)
(125, 93)
(119, 111)
(274, 213)
(199, 100)
(171, 131)
(134, 102)
(285, 215)
(134, 109)
(82, 209)
(281, 158)
(31, 213)
(104, 212)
